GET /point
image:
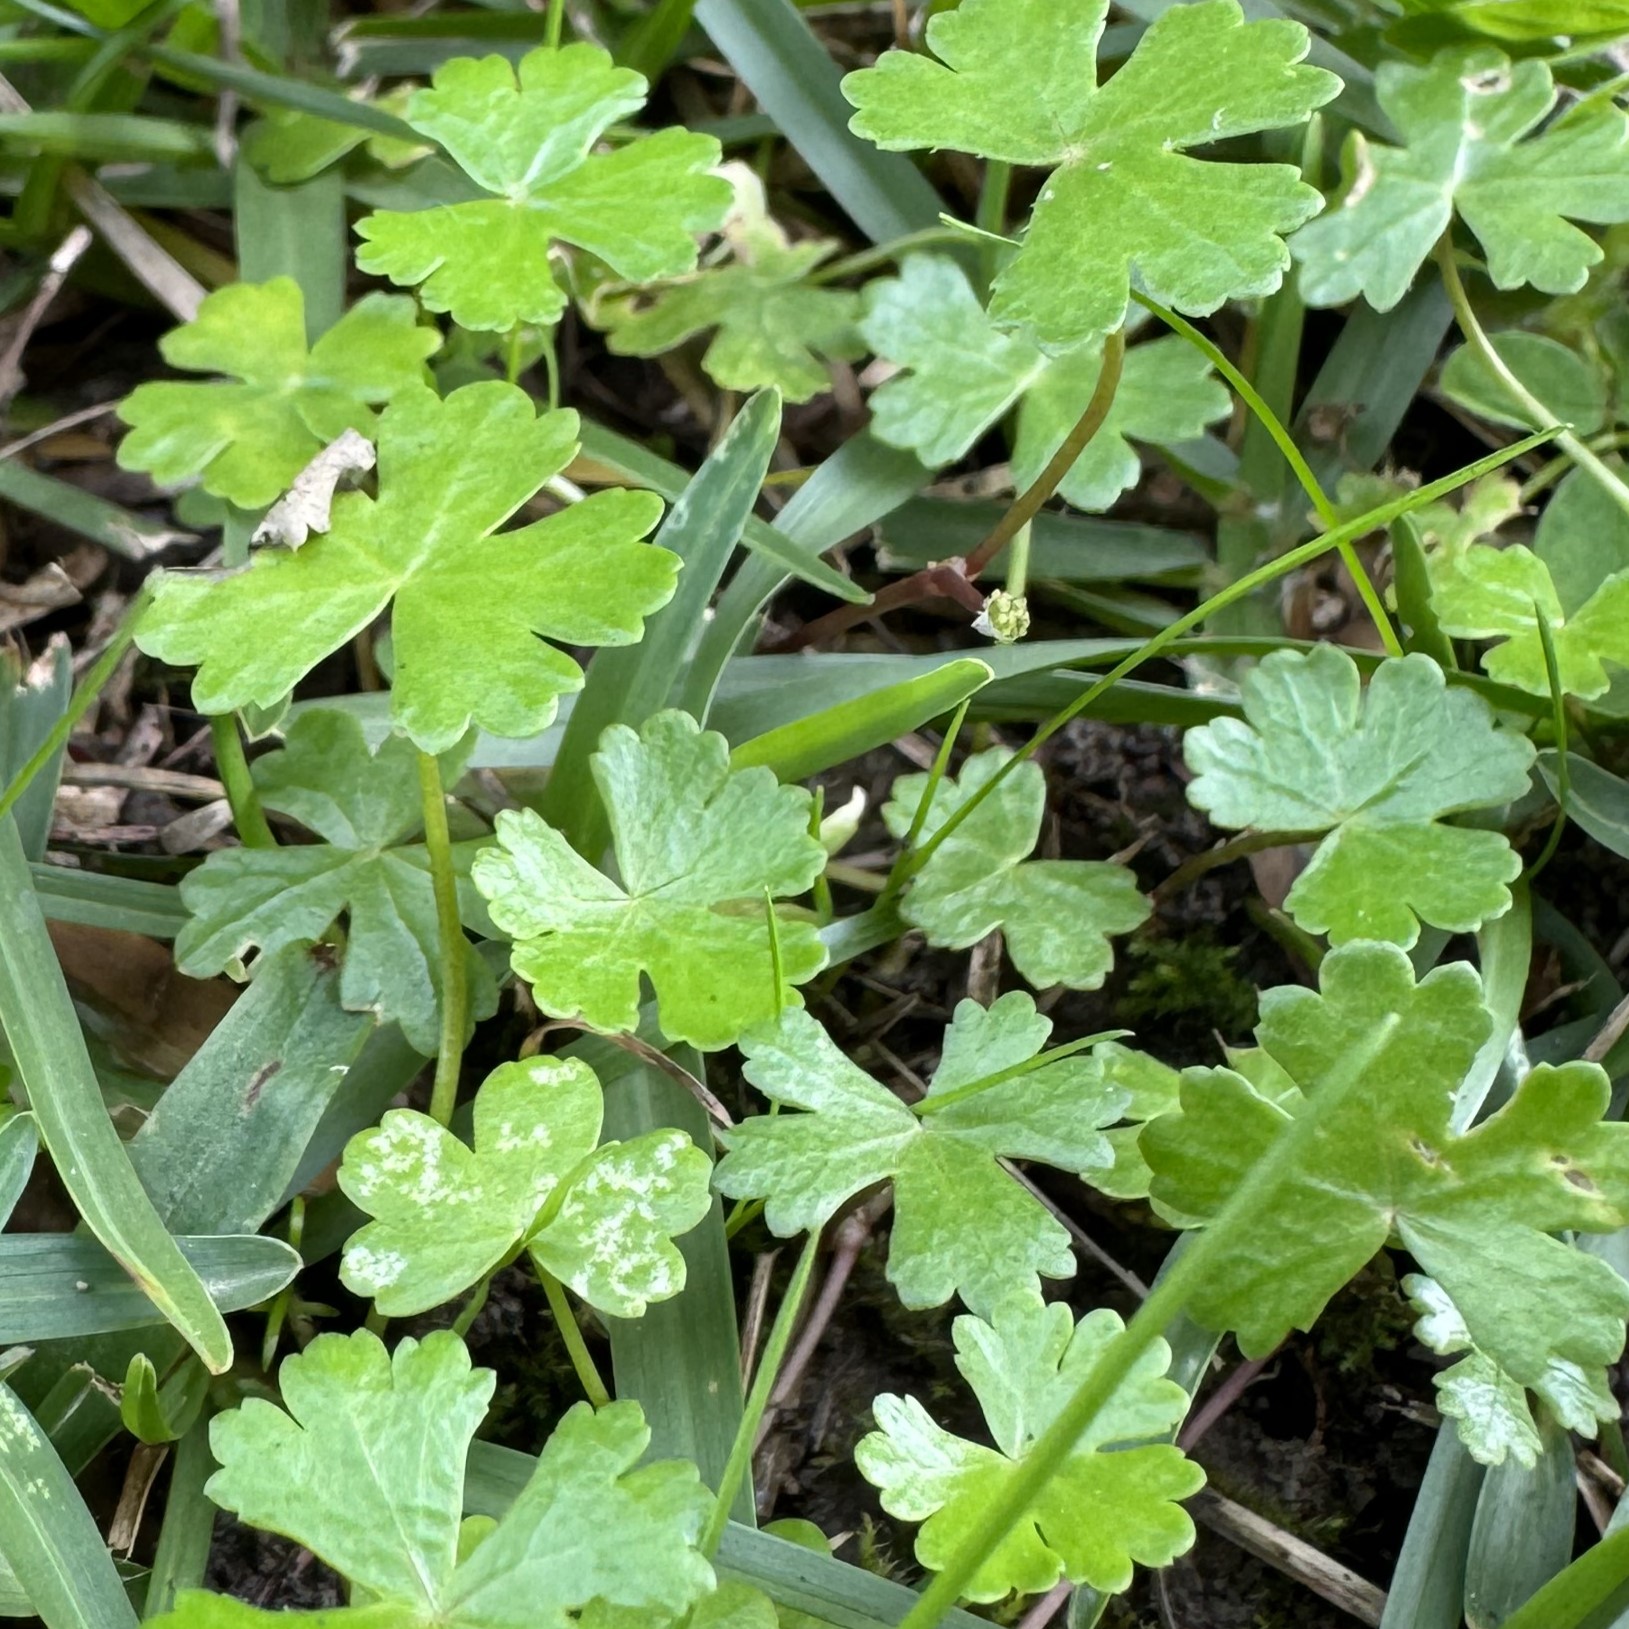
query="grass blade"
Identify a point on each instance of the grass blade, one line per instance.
(627, 684)
(628, 461)
(48, 1537)
(48, 1048)
(63, 504)
(1428, 1587)
(31, 701)
(1592, 1593)
(229, 1133)
(859, 484)
(98, 901)
(19, 1143)
(62, 1285)
(787, 69)
(835, 734)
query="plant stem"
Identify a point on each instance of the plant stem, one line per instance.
(1558, 715)
(450, 933)
(1028, 504)
(933, 1103)
(901, 871)
(555, 27)
(1232, 1226)
(884, 254)
(763, 1382)
(1018, 561)
(85, 692)
(1476, 337)
(1235, 848)
(247, 814)
(1285, 442)
(1241, 587)
(511, 355)
(992, 215)
(571, 1333)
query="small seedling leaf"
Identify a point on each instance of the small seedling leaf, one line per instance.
(1057, 915)
(1376, 773)
(772, 328)
(467, 601)
(1485, 592)
(526, 132)
(1122, 193)
(1472, 146)
(697, 849)
(248, 436)
(1103, 1510)
(962, 1225)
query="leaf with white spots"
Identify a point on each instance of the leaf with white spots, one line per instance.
(1488, 1405)
(599, 1218)
(364, 1466)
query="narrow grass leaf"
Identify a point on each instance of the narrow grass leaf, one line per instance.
(836, 734)
(48, 1539)
(19, 1142)
(1428, 1584)
(102, 900)
(45, 1041)
(627, 685)
(786, 68)
(119, 531)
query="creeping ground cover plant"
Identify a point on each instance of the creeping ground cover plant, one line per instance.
(814, 815)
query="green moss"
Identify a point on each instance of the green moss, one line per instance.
(1192, 978)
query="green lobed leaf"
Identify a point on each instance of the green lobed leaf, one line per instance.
(366, 1469)
(1376, 772)
(600, 1217)
(1122, 195)
(771, 327)
(1057, 915)
(367, 808)
(1476, 1210)
(1103, 1509)
(526, 133)
(1481, 591)
(1489, 1407)
(962, 1225)
(1472, 146)
(961, 375)
(467, 601)
(246, 440)
(700, 852)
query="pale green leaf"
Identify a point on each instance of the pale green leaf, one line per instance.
(247, 440)
(960, 375)
(366, 808)
(961, 1225)
(1104, 1508)
(527, 132)
(700, 852)
(1476, 1210)
(1582, 537)
(467, 601)
(772, 328)
(601, 1218)
(1472, 146)
(1570, 389)
(1057, 915)
(366, 1470)
(1375, 774)
(1015, 81)
(1484, 592)
(1490, 1407)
